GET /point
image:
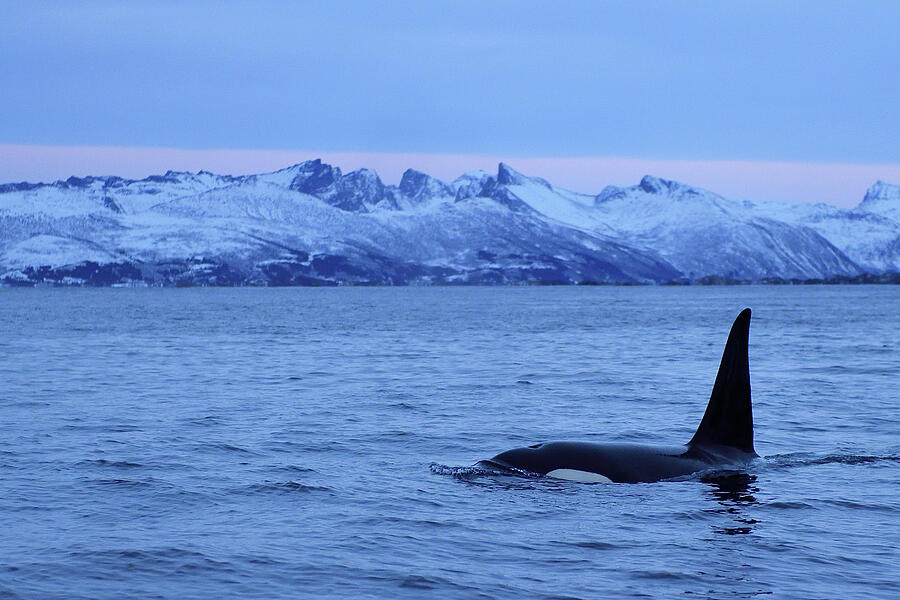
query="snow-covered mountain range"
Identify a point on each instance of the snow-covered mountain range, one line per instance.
(311, 224)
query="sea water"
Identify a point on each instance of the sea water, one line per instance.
(290, 443)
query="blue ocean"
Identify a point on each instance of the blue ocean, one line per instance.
(320, 442)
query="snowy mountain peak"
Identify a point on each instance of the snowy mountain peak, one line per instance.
(306, 165)
(658, 185)
(75, 183)
(506, 175)
(360, 190)
(366, 178)
(315, 177)
(468, 177)
(419, 186)
(169, 177)
(882, 198)
(472, 184)
(609, 193)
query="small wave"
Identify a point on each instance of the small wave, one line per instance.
(787, 504)
(419, 582)
(117, 428)
(285, 487)
(404, 406)
(121, 483)
(422, 582)
(667, 575)
(854, 505)
(296, 469)
(343, 446)
(30, 508)
(798, 459)
(391, 435)
(149, 554)
(156, 561)
(8, 594)
(28, 404)
(592, 545)
(409, 521)
(206, 421)
(226, 447)
(102, 462)
(853, 459)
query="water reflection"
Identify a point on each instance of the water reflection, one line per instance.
(734, 491)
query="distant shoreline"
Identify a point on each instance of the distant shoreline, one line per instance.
(120, 275)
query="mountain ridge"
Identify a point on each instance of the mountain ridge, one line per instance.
(312, 224)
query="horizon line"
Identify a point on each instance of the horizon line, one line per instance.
(839, 184)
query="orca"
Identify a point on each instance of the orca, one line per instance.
(724, 438)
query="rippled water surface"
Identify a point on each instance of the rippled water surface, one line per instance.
(284, 443)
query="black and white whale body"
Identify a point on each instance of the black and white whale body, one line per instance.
(724, 437)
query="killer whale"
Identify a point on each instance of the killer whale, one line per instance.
(724, 437)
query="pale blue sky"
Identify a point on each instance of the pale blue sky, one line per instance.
(757, 81)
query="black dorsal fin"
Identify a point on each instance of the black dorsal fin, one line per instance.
(728, 420)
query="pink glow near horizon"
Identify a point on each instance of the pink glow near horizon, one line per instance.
(834, 183)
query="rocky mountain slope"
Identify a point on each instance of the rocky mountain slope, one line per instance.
(868, 234)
